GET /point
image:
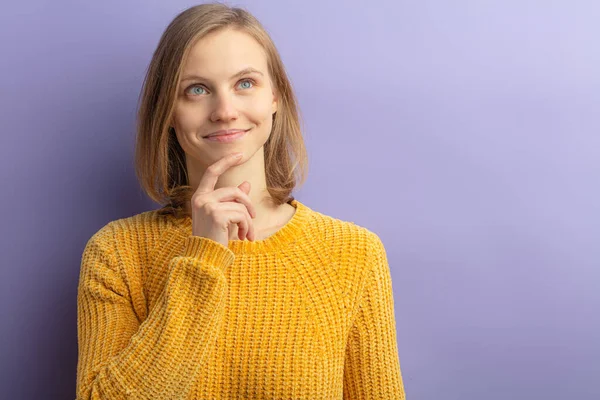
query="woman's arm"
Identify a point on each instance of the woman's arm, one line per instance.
(121, 358)
(372, 366)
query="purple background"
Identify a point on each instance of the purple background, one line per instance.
(464, 133)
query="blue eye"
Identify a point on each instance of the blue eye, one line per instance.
(248, 81)
(196, 87)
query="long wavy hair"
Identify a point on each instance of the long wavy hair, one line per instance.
(159, 159)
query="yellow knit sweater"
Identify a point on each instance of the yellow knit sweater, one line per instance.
(307, 313)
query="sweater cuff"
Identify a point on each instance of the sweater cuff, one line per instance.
(208, 251)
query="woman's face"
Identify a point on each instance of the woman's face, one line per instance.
(212, 96)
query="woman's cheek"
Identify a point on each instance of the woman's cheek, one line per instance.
(189, 117)
(261, 107)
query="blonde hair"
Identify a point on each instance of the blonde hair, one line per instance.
(159, 159)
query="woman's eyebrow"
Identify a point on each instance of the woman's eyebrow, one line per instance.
(242, 72)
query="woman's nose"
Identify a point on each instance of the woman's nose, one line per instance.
(224, 109)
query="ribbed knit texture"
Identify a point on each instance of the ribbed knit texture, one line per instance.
(307, 313)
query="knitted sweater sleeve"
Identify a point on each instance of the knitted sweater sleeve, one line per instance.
(372, 366)
(121, 357)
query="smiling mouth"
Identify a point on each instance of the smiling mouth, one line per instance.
(224, 132)
(228, 138)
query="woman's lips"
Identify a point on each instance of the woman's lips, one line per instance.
(227, 138)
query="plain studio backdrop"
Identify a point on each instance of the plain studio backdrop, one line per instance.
(465, 133)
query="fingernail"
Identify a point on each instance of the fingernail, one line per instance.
(238, 155)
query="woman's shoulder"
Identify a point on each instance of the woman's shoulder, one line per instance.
(350, 248)
(141, 225)
(339, 233)
(131, 237)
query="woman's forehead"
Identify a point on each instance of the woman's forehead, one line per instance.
(225, 52)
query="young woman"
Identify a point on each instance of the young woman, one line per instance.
(234, 289)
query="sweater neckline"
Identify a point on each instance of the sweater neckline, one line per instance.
(285, 235)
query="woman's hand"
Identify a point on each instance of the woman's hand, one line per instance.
(214, 210)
